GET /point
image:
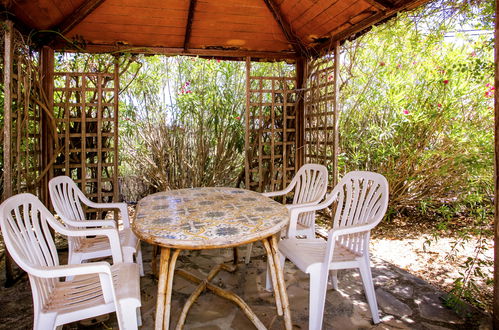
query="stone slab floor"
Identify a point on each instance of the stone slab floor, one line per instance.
(405, 301)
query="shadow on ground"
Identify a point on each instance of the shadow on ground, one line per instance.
(405, 301)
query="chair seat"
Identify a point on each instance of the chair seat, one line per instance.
(83, 295)
(99, 246)
(309, 253)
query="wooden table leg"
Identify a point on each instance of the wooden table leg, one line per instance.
(270, 267)
(169, 287)
(163, 302)
(163, 275)
(280, 280)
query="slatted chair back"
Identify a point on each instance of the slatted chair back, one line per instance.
(67, 198)
(25, 229)
(362, 199)
(310, 184)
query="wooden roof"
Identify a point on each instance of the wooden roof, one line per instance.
(226, 28)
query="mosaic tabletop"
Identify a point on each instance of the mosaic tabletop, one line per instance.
(201, 218)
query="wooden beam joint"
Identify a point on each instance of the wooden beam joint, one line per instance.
(78, 15)
(188, 26)
(292, 38)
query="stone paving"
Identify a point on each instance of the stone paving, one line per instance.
(405, 301)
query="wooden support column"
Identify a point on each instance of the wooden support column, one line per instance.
(46, 134)
(301, 64)
(7, 126)
(247, 125)
(336, 111)
(495, 314)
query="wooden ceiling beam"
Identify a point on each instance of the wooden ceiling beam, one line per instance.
(78, 15)
(188, 26)
(286, 28)
(213, 53)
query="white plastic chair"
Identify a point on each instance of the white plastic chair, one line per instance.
(362, 200)
(97, 288)
(309, 186)
(67, 200)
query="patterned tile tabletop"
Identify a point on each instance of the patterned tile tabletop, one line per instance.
(203, 218)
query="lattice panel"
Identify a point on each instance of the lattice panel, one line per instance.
(319, 97)
(86, 108)
(271, 132)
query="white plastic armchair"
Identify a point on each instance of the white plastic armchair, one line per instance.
(67, 201)
(362, 200)
(97, 288)
(309, 186)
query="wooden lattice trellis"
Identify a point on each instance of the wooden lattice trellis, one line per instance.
(270, 131)
(86, 111)
(320, 112)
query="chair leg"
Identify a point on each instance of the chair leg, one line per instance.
(138, 259)
(45, 321)
(317, 299)
(247, 258)
(367, 280)
(334, 279)
(129, 317)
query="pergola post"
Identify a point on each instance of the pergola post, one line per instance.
(46, 138)
(7, 126)
(301, 64)
(336, 110)
(496, 174)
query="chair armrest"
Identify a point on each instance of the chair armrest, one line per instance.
(296, 209)
(72, 270)
(111, 233)
(122, 207)
(90, 223)
(274, 193)
(350, 230)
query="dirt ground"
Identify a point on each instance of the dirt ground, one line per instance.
(411, 245)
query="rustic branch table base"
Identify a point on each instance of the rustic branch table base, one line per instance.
(167, 271)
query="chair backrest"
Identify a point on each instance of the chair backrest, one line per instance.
(362, 199)
(310, 183)
(25, 228)
(67, 198)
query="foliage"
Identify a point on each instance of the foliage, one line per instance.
(419, 110)
(418, 107)
(183, 122)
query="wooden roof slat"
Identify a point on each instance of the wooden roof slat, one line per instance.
(78, 15)
(188, 26)
(369, 21)
(345, 14)
(290, 27)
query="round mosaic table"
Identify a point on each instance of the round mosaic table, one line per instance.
(209, 218)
